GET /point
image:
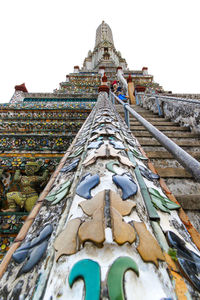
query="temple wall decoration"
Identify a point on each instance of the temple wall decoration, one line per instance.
(83, 212)
(102, 224)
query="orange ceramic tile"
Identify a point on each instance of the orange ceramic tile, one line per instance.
(93, 230)
(172, 198)
(164, 186)
(116, 153)
(122, 232)
(142, 151)
(89, 206)
(148, 248)
(179, 283)
(123, 207)
(66, 242)
(190, 228)
(180, 286)
(151, 167)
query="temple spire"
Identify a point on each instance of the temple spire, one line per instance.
(104, 33)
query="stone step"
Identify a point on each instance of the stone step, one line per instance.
(170, 172)
(191, 201)
(194, 216)
(155, 123)
(150, 118)
(181, 186)
(161, 128)
(173, 134)
(165, 154)
(165, 164)
(179, 142)
(145, 112)
(145, 115)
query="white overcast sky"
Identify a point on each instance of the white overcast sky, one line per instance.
(41, 40)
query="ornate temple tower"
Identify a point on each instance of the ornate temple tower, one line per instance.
(105, 58)
(104, 53)
(106, 226)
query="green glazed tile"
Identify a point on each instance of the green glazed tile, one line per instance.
(62, 187)
(89, 271)
(131, 158)
(153, 215)
(110, 165)
(138, 154)
(76, 153)
(160, 236)
(56, 197)
(156, 193)
(116, 277)
(164, 201)
(158, 204)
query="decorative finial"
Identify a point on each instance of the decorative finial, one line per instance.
(129, 79)
(104, 78)
(21, 88)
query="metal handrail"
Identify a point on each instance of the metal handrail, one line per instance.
(166, 98)
(186, 160)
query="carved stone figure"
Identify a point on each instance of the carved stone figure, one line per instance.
(28, 194)
(1, 172)
(1, 187)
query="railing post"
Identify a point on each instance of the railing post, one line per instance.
(126, 115)
(160, 113)
(140, 98)
(136, 98)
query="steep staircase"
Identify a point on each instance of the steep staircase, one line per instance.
(178, 180)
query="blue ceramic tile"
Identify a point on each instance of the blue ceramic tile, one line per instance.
(95, 145)
(33, 250)
(87, 183)
(127, 184)
(131, 142)
(80, 143)
(20, 256)
(70, 167)
(44, 234)
(33, 257)
(187, 259)
(117, 145)
(148, 174)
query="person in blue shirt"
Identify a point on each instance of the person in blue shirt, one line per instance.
(120, 95)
